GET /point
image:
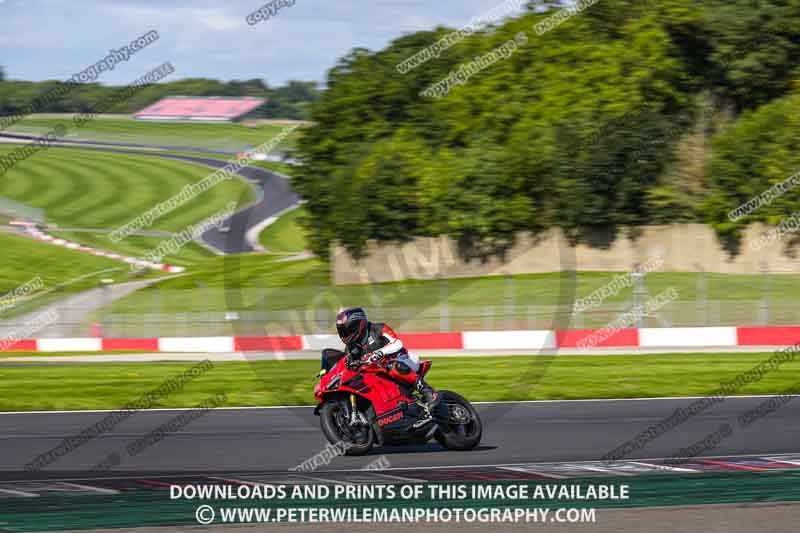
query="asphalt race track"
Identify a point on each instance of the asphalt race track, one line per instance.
(275, 195)
(276, 439)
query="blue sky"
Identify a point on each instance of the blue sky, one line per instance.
(53, 39)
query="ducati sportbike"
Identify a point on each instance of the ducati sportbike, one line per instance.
(361, 407)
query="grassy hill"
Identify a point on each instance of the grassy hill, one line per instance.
(81, 189)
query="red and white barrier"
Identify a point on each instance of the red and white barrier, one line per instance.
(69, 345)
(34, 231)
(768, 336)
(685, 337)
(196, 344)
(509, 340)
(534, 340)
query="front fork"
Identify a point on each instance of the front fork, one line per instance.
(356, 417)
(353, 410)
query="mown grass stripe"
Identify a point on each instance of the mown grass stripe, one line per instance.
(82, 209)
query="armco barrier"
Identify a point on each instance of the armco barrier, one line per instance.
(467, 340)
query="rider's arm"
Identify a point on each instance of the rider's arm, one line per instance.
(393, 344)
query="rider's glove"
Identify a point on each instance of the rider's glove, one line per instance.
(355, 352)
(375, 357)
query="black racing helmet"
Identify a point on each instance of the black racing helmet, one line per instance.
(351, 324)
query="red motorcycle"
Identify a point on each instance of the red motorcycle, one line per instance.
(362, 407)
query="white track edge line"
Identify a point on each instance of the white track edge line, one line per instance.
(500, 402)
(133, 475)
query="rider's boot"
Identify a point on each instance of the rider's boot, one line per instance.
(428, 393)
(430, 399)
(404, 373)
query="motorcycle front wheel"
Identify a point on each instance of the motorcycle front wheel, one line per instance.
(336, 427)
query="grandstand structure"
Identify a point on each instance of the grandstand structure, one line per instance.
(208, 108)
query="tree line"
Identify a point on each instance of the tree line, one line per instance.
(629, 113)
(289, 101)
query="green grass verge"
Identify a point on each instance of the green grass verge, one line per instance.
(285, 235)
(219, 136)
(295, 284)
(24, 259)
(219, 276)
(110, 386)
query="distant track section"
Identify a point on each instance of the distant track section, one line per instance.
(275, 192)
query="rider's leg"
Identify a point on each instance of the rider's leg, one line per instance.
(428, 393)
(403, 371)
(330, 357)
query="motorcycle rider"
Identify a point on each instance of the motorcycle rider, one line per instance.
(368, 341)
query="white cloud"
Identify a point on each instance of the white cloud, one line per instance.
(216, 20)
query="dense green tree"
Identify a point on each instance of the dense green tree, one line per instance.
(760, 150)
(755, 48)
(605, 120)
(500, 148)
(292, 100)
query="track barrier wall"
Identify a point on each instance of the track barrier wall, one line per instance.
(525, 340)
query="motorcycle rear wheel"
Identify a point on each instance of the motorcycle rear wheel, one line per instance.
(336, 429)
(455, 432)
